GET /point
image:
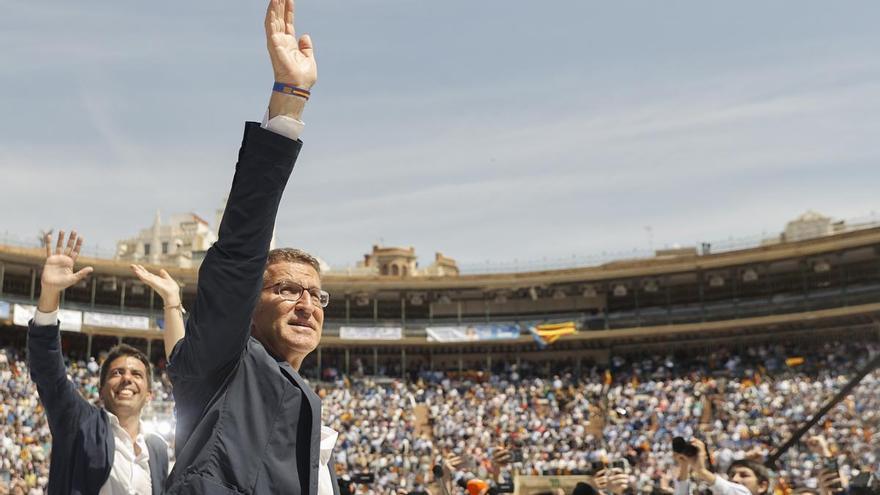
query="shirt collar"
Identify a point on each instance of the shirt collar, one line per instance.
(328, 440)
(114, 421)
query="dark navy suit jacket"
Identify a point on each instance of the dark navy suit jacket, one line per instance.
(246, 421)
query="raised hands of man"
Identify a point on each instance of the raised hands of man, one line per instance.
(163, 284)
(293, 59)
(58, 273)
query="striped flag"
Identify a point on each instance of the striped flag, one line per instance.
(549, 333)
(794, 361)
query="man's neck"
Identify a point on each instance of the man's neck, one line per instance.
(295, 362)
(131, 423)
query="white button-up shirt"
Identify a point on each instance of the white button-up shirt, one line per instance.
(328, 440)
(130, 474)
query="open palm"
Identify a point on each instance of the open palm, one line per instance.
(163, 284)
(293, 60)
(58, 271)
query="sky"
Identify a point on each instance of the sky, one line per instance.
(495, 132)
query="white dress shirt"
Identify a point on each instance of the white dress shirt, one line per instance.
(720, 487)
(130, 474)
(328, 440)
(282, 124)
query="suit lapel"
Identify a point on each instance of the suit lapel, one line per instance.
(314, 403)
(331, 465)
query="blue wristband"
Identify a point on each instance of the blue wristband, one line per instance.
(288, 89)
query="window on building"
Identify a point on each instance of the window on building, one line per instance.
(164, 248)
(147, 249)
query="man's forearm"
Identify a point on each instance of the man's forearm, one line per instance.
(286, 105)
(50, 300)
(706, 476)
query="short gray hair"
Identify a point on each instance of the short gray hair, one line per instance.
(292, 255)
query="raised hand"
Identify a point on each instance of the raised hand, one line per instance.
(684, 466)
(163, 284)
(614, 479)
(819, 445)
(451, 464)
(58, 271)
(293, 60)
(169, 291)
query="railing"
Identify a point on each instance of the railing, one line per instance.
(732, 309)
(516, 266)
(582, 261)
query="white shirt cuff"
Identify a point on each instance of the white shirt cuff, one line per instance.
(288, 127)
(45, 319)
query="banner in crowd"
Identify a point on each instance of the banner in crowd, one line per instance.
(794, 361)
(473, 333)
(109, 320)
(370, 333)
(4, 309)
(71, 321)
(548, 333)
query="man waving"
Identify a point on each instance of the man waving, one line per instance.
(246, 421)
(95, 450)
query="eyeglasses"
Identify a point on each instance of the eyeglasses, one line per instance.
(292, 291)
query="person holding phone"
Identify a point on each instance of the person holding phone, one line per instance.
(830, 480)
(747, 477)
(613, 480)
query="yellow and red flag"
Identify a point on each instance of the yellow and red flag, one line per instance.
(549, 333)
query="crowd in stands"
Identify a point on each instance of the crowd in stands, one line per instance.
(742, 402)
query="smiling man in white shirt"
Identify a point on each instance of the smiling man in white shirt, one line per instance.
(100, 450)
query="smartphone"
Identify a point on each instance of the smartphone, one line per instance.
(621, 464)
(363, 478)
(506, 487)
(683, 447)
